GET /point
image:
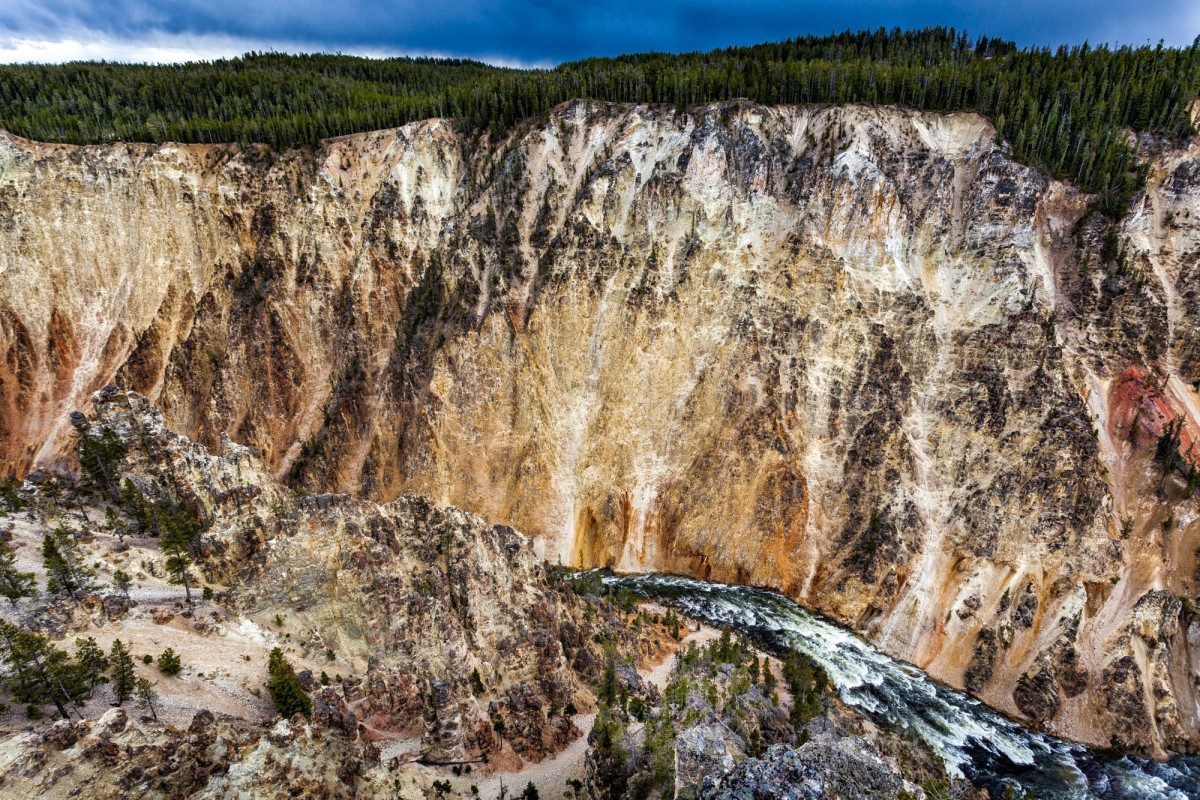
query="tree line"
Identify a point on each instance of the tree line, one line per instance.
(1065, 110)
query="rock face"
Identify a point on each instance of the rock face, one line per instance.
(856, 354)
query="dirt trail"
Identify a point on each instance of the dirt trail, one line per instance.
(660, 674)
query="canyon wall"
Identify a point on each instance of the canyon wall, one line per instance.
(855, 354)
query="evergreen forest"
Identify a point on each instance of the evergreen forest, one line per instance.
(1068, 111)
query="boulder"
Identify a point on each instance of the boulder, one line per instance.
(202, 721)
(709, 750)
(331, 711)
(62, 734)
(111, 723)
(115, 607)
(848, 769)
(852, 769)
(779, 775)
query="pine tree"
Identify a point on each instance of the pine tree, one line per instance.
(93, 661)
(14, 584)
(287, 694)
(769, 680)
(146, 695)
(121, 581)
(672, 623)
(179, 570)
(64, 562)
(10, 498)
(123, 675)
(169, 662)
(135, 505)
(59, 575)
(179, 538)
(51, 490)
(99, 456)
(38, 672)
(74, 499)
(115, 523)
(606, 695)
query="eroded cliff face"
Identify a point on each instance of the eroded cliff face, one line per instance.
(855, 354)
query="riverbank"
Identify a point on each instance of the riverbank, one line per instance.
(973, 740)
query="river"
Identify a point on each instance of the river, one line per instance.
(975, 741)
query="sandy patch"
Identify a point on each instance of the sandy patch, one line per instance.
(224, 658)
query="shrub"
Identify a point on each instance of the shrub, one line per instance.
(638, 708)
(169, 662)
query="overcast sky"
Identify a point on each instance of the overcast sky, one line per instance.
(538, 32)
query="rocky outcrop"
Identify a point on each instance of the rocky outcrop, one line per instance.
(781, 773)
(856, 354)
(1037, 695)
(432, 596)
(848, 769)
(703, 751)
(725, 728)
(330, 710)
(232, 493)
(211, 759)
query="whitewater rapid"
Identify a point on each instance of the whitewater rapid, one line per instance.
(975, 742)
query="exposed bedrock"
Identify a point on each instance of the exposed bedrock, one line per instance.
(856, 354)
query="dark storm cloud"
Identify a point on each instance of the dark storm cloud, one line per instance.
(544, 31)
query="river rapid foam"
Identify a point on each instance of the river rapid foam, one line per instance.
(975, 741)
